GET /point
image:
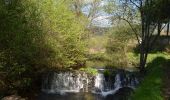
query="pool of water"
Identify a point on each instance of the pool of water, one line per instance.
(122, 94)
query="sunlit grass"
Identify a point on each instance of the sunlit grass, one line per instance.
(134, 58)
(150, 88)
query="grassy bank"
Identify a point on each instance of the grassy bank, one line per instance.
(151, 86)
(152, 83)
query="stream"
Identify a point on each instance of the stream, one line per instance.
(82, 86)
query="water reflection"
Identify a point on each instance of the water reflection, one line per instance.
(78, 96)
(122, 94)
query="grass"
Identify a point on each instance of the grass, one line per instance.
(151, 85)
(150, 88)
(90, 70)
(134, 58)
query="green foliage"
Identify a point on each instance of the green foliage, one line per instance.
(96, 46)
(65, 36)
(150, 89)
(97, 42)
(96, 64)
(36, 35)
(117, 46)
(151, 86)
(89, 70)
(107, 73)
(19, 36)
(157, 10)
(98, 57)
(134, 58)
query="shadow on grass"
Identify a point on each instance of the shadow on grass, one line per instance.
(150, 88)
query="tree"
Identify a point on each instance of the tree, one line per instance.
(153, 14)
(117, 45)
(152, 17)
(36, 36)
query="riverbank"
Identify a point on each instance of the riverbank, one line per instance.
(166, 81)
(155, 83)
(151, 86)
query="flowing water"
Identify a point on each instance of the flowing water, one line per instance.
(82, 86)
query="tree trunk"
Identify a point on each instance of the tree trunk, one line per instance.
(142, 46)
(168, 32)
(143, 58)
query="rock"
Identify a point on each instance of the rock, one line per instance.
(13, 97)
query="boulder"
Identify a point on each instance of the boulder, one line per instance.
(13, 97)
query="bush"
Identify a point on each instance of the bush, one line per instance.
(89, 70)
(36, 35)
(118, 45)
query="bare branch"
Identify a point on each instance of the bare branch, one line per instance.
(135, 4)
(163, 27)
(133, 29)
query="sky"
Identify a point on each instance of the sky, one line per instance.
(102, 19)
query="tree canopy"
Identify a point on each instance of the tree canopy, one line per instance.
(37, 35)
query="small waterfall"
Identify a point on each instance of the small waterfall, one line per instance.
(104, 87)
(118, 83)
(113, 84)
(99, 82)
(63, 82)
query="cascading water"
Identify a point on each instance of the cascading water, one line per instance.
(99, 82)
(106, 87)
(81, 82)
(65, 82)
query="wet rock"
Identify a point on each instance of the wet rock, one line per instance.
(13, 97)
